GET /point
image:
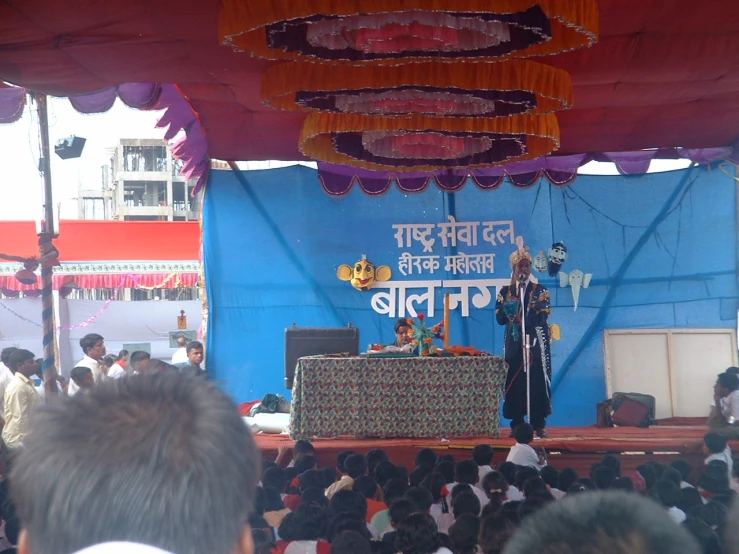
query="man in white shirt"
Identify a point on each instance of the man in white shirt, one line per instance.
(725, 417)
(93, 346)
(6, 375)
(21, 399)
(159, 479)
(180, 357)
(521, 453)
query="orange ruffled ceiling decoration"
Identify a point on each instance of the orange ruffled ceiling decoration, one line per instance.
(428, 88)
(388, 30)
(419, 143)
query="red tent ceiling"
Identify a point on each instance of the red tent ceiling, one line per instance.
(665, 72)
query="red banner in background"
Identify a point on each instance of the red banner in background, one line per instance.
(109, 241)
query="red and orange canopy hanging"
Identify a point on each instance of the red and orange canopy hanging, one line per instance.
(413, 85)
(388, 30)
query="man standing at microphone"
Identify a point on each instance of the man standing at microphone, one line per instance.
(531, 316)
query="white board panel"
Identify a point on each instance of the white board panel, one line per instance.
(698, 357)
(639, 362)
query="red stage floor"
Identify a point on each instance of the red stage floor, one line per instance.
(576, 447)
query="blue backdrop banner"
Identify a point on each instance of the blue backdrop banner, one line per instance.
(661, 249)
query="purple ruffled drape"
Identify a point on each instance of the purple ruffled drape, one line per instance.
(558, 170)
(192, 149)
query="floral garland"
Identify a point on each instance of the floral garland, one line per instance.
(422, 337)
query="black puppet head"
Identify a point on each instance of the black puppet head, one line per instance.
(557, 256)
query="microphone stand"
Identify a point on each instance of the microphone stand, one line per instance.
(525, 347)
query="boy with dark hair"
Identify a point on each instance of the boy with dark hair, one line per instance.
(368, 487)
(603, 477)
(483, 456)
(139, 362)
(393, 490)
(399, 510)
(195, 356)
(300, 449)
(421, 497)
(716, 447)
(354, 465)
(170, 451)
(613, 522)
(467, 472)
(522, 454)
(609, 460)
(82, 377)
(274, 477)
(374, 457)
(668, 494)
(426, 456)
(93, 348)
(350, 542)
(685, 470)
(550, 475)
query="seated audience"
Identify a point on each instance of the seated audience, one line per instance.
(685, 470)
(350, 542)
(393, 490)
(714, 480)
(353, 467)
(464, 534)
(707, 538)
(368, 487)
(467, 472)
(495, 532)
(302, 531)
(346, 521)
(399, 510)
(353, 502)
(495, 487)
(725, 413)
(550, 475)
(566, 478)
(172, 457)
(417, 534)
(716, 447)
(603, 477)
(483, 456)
(605, 521)
(668, 494)
(522, 454)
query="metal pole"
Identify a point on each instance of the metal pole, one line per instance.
(525, 347)
(49, 366)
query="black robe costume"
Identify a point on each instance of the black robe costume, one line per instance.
(536, 310)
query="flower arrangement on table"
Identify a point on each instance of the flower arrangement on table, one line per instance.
(422, 337)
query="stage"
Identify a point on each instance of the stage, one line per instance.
(575, 447)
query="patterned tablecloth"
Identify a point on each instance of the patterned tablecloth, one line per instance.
(397, 397)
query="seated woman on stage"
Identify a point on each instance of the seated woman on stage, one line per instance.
(401, 333)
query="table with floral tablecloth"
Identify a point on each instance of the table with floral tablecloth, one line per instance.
(420, 397)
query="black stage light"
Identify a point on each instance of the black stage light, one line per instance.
(70, 147)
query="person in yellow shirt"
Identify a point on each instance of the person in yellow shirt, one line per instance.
(20, 399)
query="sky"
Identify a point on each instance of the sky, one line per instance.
(21, 185)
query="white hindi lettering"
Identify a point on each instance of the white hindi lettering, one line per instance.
(480, 300)
(395, 301)
(504, 229)
(405, 234)
(407, 262)
(385, 303)
(465, 264)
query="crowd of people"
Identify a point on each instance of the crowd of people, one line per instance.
(446, 506)
(20, 371)
(163, 463)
